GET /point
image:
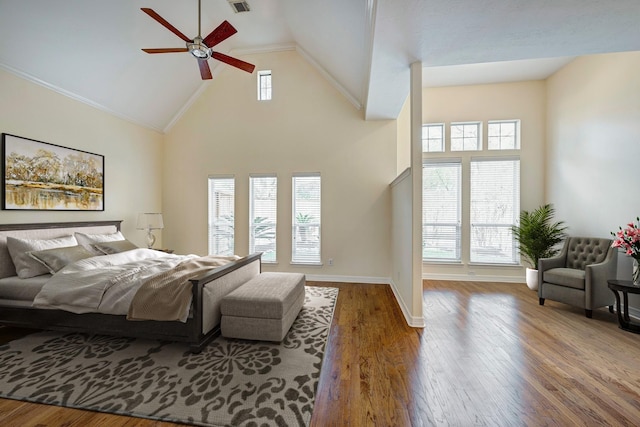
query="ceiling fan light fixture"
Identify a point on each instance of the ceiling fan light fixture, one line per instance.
(198, 49)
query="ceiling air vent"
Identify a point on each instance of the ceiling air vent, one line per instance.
(239, 6)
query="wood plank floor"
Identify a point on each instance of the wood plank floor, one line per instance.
(489, 356)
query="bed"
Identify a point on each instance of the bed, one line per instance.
(199, 328)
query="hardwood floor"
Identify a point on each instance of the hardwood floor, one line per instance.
(488, 356)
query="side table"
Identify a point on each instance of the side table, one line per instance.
(625, 287)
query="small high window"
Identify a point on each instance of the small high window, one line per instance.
(264, 85)
(433, 138)
(466, 136)
(504, 135)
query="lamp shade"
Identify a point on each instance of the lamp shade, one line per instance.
(150, 221)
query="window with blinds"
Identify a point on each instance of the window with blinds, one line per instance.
(494, 209)
(263, 204)
(306, 219)
(221, 215)
(264, 85)
(441, 210)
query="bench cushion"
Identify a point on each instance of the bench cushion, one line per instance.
(266, 296)
(264, 308)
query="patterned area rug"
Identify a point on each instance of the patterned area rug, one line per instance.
(232, 382)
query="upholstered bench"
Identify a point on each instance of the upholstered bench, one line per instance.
(264, 308)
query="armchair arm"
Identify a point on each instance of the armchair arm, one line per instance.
(597, 291)
(558, 261)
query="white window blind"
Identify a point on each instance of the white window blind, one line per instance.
(433, 138)
(221, 215)
(495, 207)
(263, 203)
(306, 219)
(503, 135)
(441, 210)
(264, 85)
(466, 136)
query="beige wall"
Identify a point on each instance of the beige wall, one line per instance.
(594, 145)
(133, 154)
(307, 127)
(524, 101)
(404, 138)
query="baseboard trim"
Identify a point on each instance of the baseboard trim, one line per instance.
(467, 278)
(348, 279)
(413, 321)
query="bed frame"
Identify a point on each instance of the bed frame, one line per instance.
(193, 332)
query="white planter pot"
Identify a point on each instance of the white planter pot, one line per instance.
(532, 279)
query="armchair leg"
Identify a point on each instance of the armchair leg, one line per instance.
(541, 301)
(589, 313)
(611, 309)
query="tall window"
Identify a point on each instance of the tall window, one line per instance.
(306, 219)
(263, 202)
(221, 215)
(433, 138)
(264, 85)
(441, 210)
(466, 136)
(495, 207)
(503, 135)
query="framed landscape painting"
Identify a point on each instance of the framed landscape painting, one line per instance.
(41, 176)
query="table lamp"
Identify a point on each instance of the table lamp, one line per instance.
(149, 222)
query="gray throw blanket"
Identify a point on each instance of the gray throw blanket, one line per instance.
(167, 295)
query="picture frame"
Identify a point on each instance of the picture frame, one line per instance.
(38, 175)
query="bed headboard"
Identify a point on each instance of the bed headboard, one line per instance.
(50, 230)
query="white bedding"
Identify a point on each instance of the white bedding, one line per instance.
(104, 284)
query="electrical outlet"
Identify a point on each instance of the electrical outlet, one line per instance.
(330, 261)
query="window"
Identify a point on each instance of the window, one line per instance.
(466, 136)
(264, 85)
(306, 219)
(263, 201)
(503, 135)
(433, 138)
(221, 215)
(441, 210)
(494, 209)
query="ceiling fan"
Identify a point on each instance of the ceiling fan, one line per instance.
(200, 47)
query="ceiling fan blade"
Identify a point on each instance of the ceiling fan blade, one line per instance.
(165, 24)
(167, 50)
(205, 71)
(234, 62)
(221, 33)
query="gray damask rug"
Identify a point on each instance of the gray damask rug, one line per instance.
(232, 382)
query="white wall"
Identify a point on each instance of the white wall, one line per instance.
(593, 143)
(133, 154)
(307, 127)
(524, 101)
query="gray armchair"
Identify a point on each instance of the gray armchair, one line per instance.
(578, 276)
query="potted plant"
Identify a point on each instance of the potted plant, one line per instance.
(538, 237)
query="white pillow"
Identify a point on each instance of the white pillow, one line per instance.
(25, 265)
(88, 240)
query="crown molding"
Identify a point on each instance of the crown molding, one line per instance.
(30, 78)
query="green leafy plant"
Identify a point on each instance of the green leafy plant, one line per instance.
(537, 234)
(303, 218)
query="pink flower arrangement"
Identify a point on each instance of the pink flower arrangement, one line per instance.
(628, 239)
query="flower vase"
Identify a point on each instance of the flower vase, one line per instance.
(636, 272)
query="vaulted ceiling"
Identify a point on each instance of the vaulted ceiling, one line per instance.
(91, 50)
